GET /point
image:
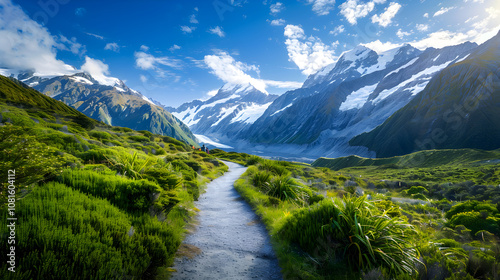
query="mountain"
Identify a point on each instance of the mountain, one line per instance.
(459, 108)
(227, 114)
(356, 94)
(17, 94)
(108, 100)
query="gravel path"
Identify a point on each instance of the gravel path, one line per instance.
(230, 242)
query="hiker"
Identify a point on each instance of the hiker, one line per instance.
(208, 151)
(203, 148)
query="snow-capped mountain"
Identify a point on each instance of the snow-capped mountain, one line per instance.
(227, 114)
(356, 94)
(106, 99)
(458, 109)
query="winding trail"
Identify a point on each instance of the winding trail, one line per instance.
(234, 244)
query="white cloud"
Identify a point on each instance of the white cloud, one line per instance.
(144, 48)
(99, 71)
(492, 14)
(95, 36)
(353, 9)
(441, 39)
(112, 47)
(322, 7)
(385, 18)
(422, 27)
(308, 53)
(338, 30)
(25, 44)
(192, 19)
(426, 15)
(481, 32)
(277, 22)
(210, 94)
(474, 1)
(276, 8)
(174, 48)
(188, 29)
(217, 31)
(70, 45)
(443, 11)
(226, 68)
(147, 61)
(401, 34)
(143, 78)
(380, 47)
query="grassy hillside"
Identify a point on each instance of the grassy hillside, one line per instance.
(91, 201)
(429, 215)
(428, 159)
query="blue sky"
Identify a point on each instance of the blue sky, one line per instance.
(177, 51)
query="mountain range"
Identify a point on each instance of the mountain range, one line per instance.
(458, 109)
(350, 97)
(108, 100)
(368, 103)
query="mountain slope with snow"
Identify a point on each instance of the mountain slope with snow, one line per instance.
(355, 95)
(227, 114)
(108, 100)
(458, 109)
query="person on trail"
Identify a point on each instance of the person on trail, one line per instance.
(208, 151)
(194, 147)
(203, 148)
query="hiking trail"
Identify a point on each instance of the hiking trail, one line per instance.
(229, 241)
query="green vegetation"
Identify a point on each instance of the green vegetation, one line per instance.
(92, 201)
(397, 218)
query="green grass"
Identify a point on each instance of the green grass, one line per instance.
(93, 201)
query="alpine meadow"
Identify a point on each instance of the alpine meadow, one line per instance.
(301, 139)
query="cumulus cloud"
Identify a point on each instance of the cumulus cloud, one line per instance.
(422, 27)
(443, 11)
(385, 18)
(143, 78)
(322, 7)
(70, 45)
(99, 71)
(277, 22)
(276, 8)
(226, 68)
(217, 31)
(401, 34)
(308, 53)
(338, 30)
(192, 19)
(25, 44)
(174, 48)
(188, 29)
(112, 47)
(426, 15)
(352, 10)
(147, 61)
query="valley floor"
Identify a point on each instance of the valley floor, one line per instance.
(230, 242)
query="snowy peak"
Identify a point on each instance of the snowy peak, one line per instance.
(230, 111)
(361, 61)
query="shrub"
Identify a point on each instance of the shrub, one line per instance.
(284, 188)
(352, 230)
(260, 179)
